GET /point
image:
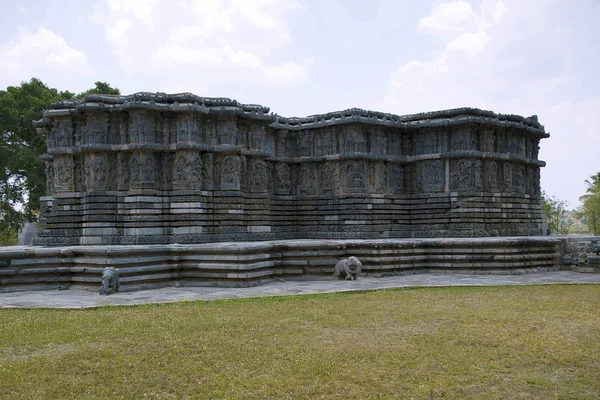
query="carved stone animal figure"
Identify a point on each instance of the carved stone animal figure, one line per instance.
(110, 281)
(348, 269)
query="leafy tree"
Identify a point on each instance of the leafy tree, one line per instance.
(22, 174)
(100, 88)
(591, 203)
(556, 212)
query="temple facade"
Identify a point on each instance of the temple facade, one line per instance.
(158, 169)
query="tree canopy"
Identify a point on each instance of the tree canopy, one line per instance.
(22, 178)
(591, 203)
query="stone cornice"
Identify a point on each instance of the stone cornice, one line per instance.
(187, 102)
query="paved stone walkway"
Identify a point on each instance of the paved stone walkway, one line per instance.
(84, 299)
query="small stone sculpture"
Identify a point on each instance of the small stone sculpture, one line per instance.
(110, 281)
(583, 257)
(567, 260)
(348, 269)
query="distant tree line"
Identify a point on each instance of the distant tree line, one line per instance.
(585, 219)
(22, 175)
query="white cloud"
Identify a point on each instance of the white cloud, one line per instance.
(448, 18)
(226, 40)
(43, 50)
(511, 57)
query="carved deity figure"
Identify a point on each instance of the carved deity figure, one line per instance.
(431, 176)
(257, 138)
(259, 175)
(49, 178)
(63, 178)
(149, 172)
(326, 178)
(307, 179)
(110, 281)
(356, 176)
(305, 144)
(136, 169)
(348, 269)
(96, 172)
(395, 177)
(123, 171)
(282, 177)
(493, 175)
(230, 173)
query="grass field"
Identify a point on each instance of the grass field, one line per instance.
(491, 342)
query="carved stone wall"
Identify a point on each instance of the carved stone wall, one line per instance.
(151, 168)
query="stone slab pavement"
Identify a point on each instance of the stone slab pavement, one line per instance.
(84, 299)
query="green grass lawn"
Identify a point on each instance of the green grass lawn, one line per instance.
(491, 342)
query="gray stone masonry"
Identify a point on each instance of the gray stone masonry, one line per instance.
(158, 169)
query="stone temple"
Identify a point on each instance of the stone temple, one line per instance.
(181, 190)
(158, 169)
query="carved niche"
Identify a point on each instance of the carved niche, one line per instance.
(207, 171)
(378, 143)
(465, 174)
(395, 177)
(143, 127)
(149, 172)
(230, 171)
(63, 174)
(307, 181)
(431, 176)
(96, 129)
(493, 181)
(124, 171)
(96, 171)
(305, 144)
(188, 128)
(283, 179)
(227, 132)
(187, 170)
(354, 140)
(49, 177)
(518, 178)
(356, 176)
(379, 178)
(326, 178)
(62, 136)
(464, 139)
(324, 142)
(257, 137)
(259, 176)
(78, 178)
(508, 186)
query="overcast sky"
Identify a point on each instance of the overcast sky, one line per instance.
(306, 57)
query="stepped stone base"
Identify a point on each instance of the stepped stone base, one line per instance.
(243, 264)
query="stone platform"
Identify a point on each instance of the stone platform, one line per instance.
(84, 299)
(247, 264)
